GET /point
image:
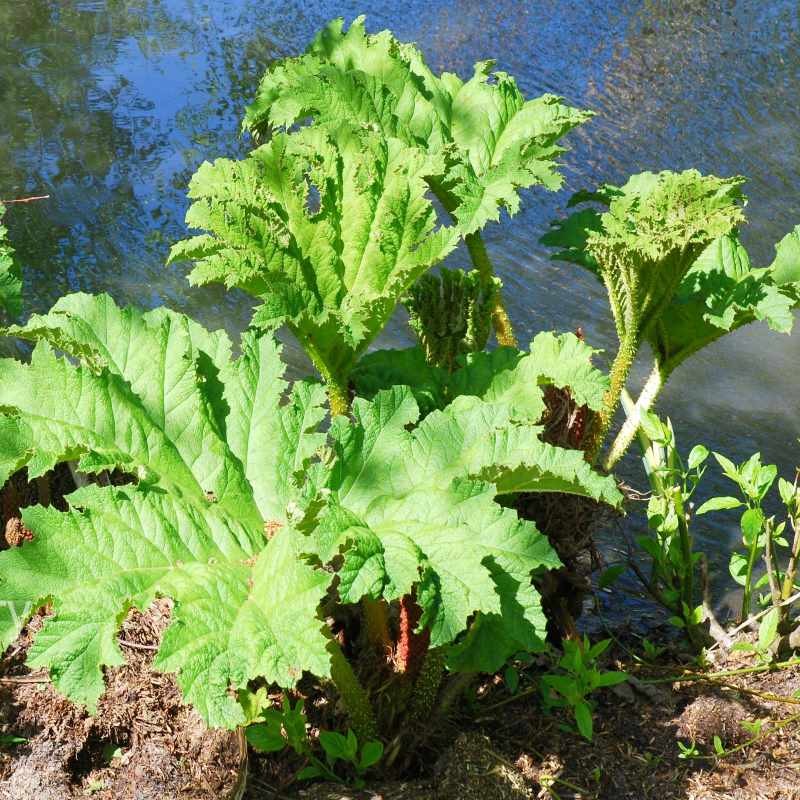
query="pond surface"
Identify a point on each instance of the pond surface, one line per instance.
(110, 105)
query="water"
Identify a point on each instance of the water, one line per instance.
(110, 105)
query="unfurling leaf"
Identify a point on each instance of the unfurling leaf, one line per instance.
(451, 314)
(654, 229)
(668, 253)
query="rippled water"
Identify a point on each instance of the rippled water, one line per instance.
(110, 105)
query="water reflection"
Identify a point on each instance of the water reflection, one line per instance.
(110, 105)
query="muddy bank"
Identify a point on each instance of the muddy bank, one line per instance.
(143, 744)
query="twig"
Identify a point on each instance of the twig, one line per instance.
(25, 199)
(716, 630)
(791, 569)
(768, 696)
(750, 620)
(135, 646)
(769, 558)
(513, 698)
(712, 676)
(25, 679)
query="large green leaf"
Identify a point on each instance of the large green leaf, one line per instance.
(723, 292)
(10, 280)
(159, 397)
(495, 141)
(144, 401)
(504, 376)
(262, 431)
(229, 509)
(329, 227)
(413, 506)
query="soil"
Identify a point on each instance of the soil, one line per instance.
(509, 749)
(144, 743)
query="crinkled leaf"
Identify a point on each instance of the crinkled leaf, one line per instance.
(518, 628)
(262, 431)
(668, 254)
(495, 141)
(565, 361)
(16, 444)
(413, 506)
(469, 437)
(144, 399)
(571, 237)
(644, 243)
(218, 453)
(723, 292)
(157, 396)
(328, 226)
(123, 547)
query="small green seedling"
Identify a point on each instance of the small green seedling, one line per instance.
(753, 728)
(652, 652)
(339, 747)
(688, 751)
(669, 541)
(577, 678)
(286, 727)
(280, 728)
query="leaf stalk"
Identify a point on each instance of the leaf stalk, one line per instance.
(630, 428)
(503, 328)
(620, 370)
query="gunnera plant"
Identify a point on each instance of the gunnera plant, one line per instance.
(667, 251)
(490, 140)
(263, 528)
